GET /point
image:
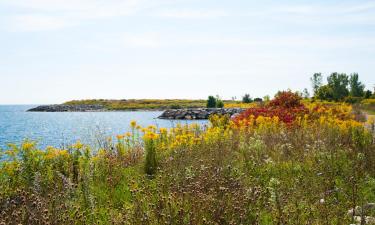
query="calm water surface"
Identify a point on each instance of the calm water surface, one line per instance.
(63, 128)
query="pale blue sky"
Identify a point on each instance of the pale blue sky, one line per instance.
(58, 50)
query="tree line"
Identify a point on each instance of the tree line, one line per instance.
(339, 87)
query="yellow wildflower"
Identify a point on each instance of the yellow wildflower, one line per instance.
(78, 145)
(150, 136)
(163, 130)
(27, 145)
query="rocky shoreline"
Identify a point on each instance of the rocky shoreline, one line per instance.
(197, 114)
(68, 108)
(170, 114)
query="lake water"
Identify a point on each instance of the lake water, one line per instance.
(63, 128)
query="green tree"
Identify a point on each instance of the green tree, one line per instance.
(324, 93)
(357, 89)
(247, 99)
(305, 93)
(368, 94)
(316, 81)
(338, 82)
(211, 102)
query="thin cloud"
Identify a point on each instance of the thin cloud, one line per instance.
(38, 22)
(38, 15)
(192, 14)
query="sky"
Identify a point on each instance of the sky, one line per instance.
(53, 51)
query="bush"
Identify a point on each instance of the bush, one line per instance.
(175, 106)
(286, 106)
(367, 94)
(258, 100)
(219, 104)
(286, 99)
(247, 99)
(211, 102)
(353, 100)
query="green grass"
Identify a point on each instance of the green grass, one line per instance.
(148, 104)
(256, 171)
(310, 175)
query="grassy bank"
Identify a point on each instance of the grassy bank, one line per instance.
(146, 104)
(283, 163)
(369, 106)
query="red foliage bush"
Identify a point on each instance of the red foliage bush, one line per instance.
(286, 106)
(286, 99)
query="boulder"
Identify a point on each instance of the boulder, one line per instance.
(201, 113)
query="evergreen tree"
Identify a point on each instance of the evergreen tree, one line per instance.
(211, 102)
(246, 99)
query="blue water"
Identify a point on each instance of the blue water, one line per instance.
(64, 128)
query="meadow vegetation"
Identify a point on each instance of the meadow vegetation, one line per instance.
(286, 161)
(146, 104)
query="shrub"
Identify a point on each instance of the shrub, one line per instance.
(246, 99)
(219, 103)
(353, 100)
(321, 172)
(258, 100)
(367, 94)
(286, 106)
(286, 99)
(175, 106)
(211, 102)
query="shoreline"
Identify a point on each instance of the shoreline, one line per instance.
(88, 108)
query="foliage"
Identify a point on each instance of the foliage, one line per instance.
(305, 93)
(150, 149)
(258, 100)
(211, 102)
(325, 92)
(316, 81)
(247, 99)
(286, 106)
(367, 94)
(146, 104)
(338, 82)
(241, 105)
(356, 87)
(340, 87)
(368, 105)
(219, 103)
(317, 169)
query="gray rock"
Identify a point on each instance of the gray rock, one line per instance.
(201, 113)
(67, 108)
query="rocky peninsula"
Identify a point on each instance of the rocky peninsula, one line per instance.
(171, 114)
(68, 108)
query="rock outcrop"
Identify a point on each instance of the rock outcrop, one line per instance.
(68, 108)
(197, 114)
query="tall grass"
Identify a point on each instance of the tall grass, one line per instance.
(319, 170)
